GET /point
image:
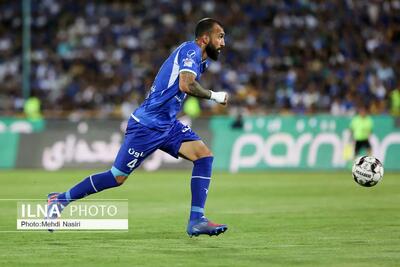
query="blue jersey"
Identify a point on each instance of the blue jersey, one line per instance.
(165, 99)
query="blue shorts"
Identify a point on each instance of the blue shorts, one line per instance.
(140, 142)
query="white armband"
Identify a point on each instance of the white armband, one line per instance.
(218, 97)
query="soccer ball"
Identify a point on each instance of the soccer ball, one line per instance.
(367, 171)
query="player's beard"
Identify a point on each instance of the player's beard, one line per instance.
(212, 52)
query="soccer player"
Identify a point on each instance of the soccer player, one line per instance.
(154, 126)
(361, 128)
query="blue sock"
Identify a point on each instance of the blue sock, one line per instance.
(201, 177)
(92, 184)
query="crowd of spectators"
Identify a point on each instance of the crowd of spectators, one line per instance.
(100, 57)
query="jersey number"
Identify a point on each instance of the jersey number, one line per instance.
(132, 164)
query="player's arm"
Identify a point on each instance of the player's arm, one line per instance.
(189, 85)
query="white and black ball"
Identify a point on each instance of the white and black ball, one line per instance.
(367, 171)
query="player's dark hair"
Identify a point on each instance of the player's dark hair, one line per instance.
(205, 25)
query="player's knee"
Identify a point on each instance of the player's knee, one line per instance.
(121, 179)
(204, 152)
(119, 176)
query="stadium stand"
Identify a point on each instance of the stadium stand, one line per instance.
(98, 58)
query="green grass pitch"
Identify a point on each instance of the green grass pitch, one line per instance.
(274, 218)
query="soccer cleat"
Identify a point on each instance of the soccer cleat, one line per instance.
(203, 226)
(54, 207)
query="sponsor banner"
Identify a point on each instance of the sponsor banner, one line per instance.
(90, 144)
(82, 215)
(15, 125)
(10, 128)
(297, 142)
(8, 149)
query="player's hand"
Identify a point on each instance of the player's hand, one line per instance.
(220, 97)
(225, 99)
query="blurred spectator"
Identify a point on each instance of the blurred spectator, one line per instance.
(238, 122)
(32, 108)
(281, 56)
(361, 127)
(395, 102)
(191, 107)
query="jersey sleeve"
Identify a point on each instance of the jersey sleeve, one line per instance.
(190, 59)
